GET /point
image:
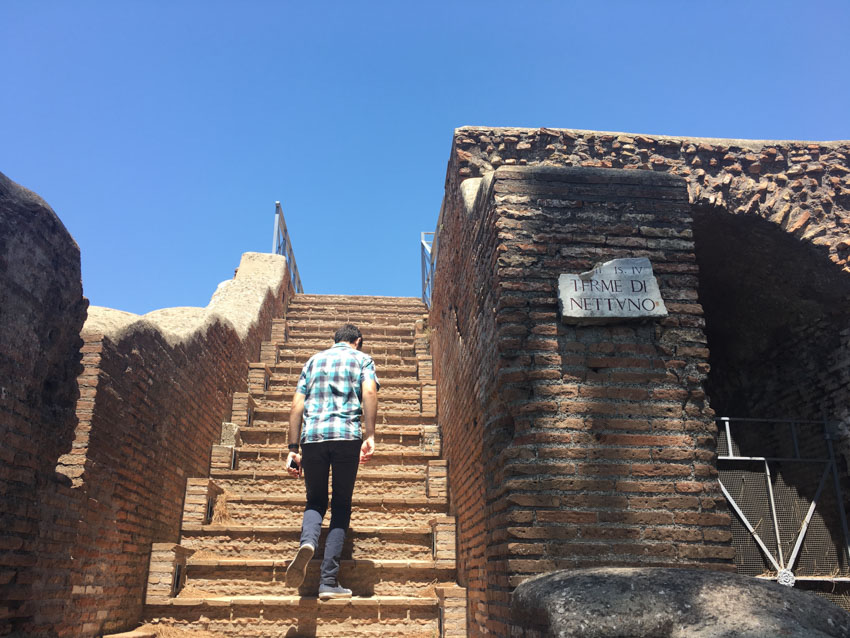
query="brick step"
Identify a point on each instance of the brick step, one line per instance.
(267, 616)
(412, 542)
(372, 325)
(304, 300)
(322, 331)
(387, 460)
(369, 312)
(365, 577)
(299, 354)
(409, 388)
(385, 350)
(293, 366)
(400, 400)
(411, 414)
(370, 322)
(141, 632)
(398, 484)
(263, 509)
(280, 418)
(280, 382)
(282, 387)
(406, 436)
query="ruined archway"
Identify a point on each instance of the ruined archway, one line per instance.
(776, 312)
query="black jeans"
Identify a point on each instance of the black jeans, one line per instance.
(317, 459)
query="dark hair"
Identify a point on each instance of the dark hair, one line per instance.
(348, 333)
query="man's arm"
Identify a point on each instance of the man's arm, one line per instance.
(296, 415)
(369, 391)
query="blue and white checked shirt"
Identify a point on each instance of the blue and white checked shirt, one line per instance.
(331, 384)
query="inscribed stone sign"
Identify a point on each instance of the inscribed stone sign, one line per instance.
(616, 290)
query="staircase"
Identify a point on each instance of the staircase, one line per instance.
(241, 525)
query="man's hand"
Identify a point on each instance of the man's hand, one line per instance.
(294, 472)
(367, 449)
(370, 414)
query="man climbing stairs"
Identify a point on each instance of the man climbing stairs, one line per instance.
(241, 525)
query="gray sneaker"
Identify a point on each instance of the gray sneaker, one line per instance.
(298, 567)
(326, 592)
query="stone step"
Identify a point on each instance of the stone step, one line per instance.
(280, 418)
(283, 381)
(387, 511)
(269, 615)
(281, 388)
(374, 327)
(398, 400)
(365, 577)
(404, 388)
(305, 300)
(377, 351)
(352, 313)
(387, 460)
(399, 369)
(386, 436)
(369, 483)
(411, 414)
(141, 632)
(293, 353)
(231, 540)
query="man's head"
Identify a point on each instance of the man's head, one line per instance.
(349, 333)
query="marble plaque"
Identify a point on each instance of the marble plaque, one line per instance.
(617, 290)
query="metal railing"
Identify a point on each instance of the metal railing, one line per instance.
(429, 245)
(282, 245)
(429, 254)
(775, 474)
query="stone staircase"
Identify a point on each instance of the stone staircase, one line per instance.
(241, 525)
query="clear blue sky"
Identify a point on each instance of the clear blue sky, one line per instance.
(163, 132)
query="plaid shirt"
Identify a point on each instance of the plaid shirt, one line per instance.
(331, 383)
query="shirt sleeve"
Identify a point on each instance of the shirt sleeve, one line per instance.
(367, 372)
(301, 386)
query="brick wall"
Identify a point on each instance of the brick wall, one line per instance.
(41, 312)
(786, 202)
(493, 310)
(153, 394)
(592, 445)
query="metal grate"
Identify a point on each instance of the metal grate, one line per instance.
(781, 480)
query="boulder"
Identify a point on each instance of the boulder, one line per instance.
(669, 603)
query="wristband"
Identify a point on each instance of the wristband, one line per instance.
(294, 447)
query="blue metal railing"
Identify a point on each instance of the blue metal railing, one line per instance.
(282, 245)
(429, 245)
(428, 249)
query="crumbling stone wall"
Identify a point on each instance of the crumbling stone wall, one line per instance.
(41, 312)
(801, 190)
(803, 187)
(153, 395)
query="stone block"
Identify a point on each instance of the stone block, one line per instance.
(199, 501)
(167, 570)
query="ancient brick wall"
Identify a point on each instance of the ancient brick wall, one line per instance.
(800, 190)
(41, 312)
(153, 394)
(593, 445)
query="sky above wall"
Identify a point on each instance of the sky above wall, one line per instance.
(163, 132)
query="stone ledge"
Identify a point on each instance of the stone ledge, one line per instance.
(719, 141)
(236, 302)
